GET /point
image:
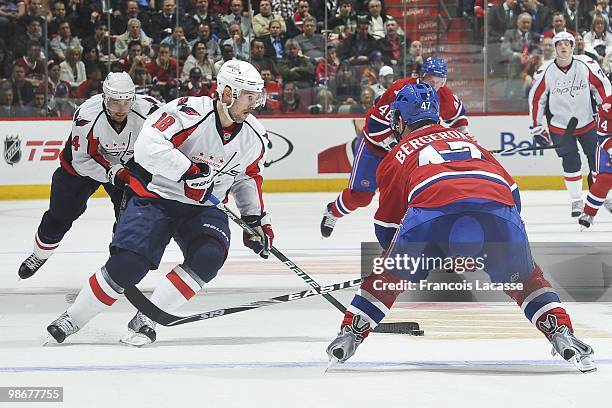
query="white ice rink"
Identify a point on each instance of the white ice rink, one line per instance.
(472, 355)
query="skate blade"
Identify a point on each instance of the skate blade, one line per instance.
(136, 340)
(585, 366)
(332, 363)
(50, 340)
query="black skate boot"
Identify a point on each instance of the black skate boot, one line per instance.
(62, 327)
(142, 331)
(568, 346)
(585, 221)
(328, 222)
(30, 266)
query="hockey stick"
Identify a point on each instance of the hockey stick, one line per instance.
(149, 309)
(142, 303)
(523, 149)
(569, 132)
(395, 327)
(278, 254)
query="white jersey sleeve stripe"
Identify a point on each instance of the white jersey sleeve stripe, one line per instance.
(537, 99)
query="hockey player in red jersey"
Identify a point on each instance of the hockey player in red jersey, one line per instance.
(603, 183)
(377, 139)
(443, 195)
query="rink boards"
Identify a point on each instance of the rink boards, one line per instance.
(306, 153)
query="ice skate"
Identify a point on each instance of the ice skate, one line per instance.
(585, 221)
(577, 206)
(62, 327)
(568, 346)
(142, 331)
(608, 204)
(349, 338)
(328, 222)
(30, 266)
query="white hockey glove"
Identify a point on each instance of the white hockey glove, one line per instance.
(464, 129)
(540, 136)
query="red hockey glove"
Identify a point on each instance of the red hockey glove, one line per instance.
(118, 175)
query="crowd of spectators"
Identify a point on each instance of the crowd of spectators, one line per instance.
(55, 53)
(520, 33)
(316, 56)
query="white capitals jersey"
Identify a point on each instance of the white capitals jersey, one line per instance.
(560, 94)
(95, 146)
(188, 130)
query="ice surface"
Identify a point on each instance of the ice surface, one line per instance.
(476, 355)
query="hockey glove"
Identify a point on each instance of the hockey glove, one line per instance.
(198, 179)
(540, 136)
(118, 175)
(262, 242)
(464, 129)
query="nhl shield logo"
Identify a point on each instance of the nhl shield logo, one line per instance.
(12, 150)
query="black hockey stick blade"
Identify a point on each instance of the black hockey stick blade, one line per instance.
(522, 149)
(569, 132)
(144, 305)
(571, 127)
(411, 328)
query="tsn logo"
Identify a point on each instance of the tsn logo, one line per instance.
(41, 150)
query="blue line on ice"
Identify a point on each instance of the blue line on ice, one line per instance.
(311, 364)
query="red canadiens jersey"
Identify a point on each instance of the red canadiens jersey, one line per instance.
(435, 166)
(376, 129)
(604, 124)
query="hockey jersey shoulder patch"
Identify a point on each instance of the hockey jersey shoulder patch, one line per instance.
(80, 122)
(145, 105)
(188, 110)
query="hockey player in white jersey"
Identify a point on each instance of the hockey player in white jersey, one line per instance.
(190, 148)
(104, 130)
(569, 86)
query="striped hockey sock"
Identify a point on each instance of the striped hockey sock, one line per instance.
(43, 250)
(597, 193)
(180, 285)
(538, 299)
(372, 304)
(98, 294)
(350, 200)
(573, 183)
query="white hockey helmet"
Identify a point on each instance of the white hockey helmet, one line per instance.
(241, 76)
(564, 35)
(119, 93)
